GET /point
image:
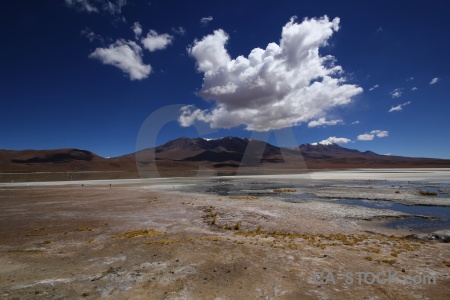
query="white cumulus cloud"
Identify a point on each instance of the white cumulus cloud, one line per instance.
(154, 41)
(206, 20)
(277, 87)
(365, 137)
(399, 107)
(434, 80)
(414, 89)
(334, 140)
(323, 122)
(125, 55)
(370, 136)
(356, 122)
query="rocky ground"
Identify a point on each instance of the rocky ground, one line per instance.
(177, 241)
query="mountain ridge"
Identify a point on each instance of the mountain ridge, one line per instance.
(227, 153)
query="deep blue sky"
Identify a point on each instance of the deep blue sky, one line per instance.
(55, 93)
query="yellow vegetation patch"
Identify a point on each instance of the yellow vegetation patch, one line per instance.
(243, 197)
(83, 228)
(164, 242)
(139, 233)
(284, 191)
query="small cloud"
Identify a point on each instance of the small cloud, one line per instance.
(410, 79)
(91, 36)
(112, 7)
(399, 107)
(374, 133)
(434, 80)
(334, 140)
(396, 93)
(380, 29)
(388, 154)
(180, 30)
(414, 89)
(374, 87)
(125, 55)
(365, 137)
(137, 29)
(380, 133)
(356, 122)
(82, 5)
(206, 20)
(154, 41)
(323, 122)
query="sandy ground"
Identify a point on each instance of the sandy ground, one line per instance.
(137, 240)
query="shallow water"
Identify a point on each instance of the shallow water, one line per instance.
(443, 213)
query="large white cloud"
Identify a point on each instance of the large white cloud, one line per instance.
(323, 122)
(374, 133)
(154, 41)
(280, 86)
(125, 55)
(334, 140)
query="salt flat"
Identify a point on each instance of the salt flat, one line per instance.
(212, 238)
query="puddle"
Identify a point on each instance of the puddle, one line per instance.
(443, 213)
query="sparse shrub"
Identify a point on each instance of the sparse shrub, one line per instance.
(237, 226)
(427, 193)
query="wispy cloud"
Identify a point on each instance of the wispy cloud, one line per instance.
(82, 5)
(92, 36)
(399, 107)
(370, 136)
(356, 122)
(112, 7)
(180, 30)
(323, 122)
(125, 55)
(245, 93)
(137, 29)
(334, 140)
(410, 79)
(396, 93)
(414, 89)
(434, 80)
(374, 87)
(380, 29)
(205, 20)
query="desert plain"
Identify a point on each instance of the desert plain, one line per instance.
(234, 237)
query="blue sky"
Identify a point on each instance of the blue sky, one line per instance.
(370, 75)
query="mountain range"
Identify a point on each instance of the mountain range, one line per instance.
(224, 155)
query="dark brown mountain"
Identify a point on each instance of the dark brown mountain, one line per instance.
(180, 156)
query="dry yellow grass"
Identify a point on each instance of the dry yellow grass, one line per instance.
(83, 228)
(278, 191)
(139, 233)
(164, 242)
(243, 197)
